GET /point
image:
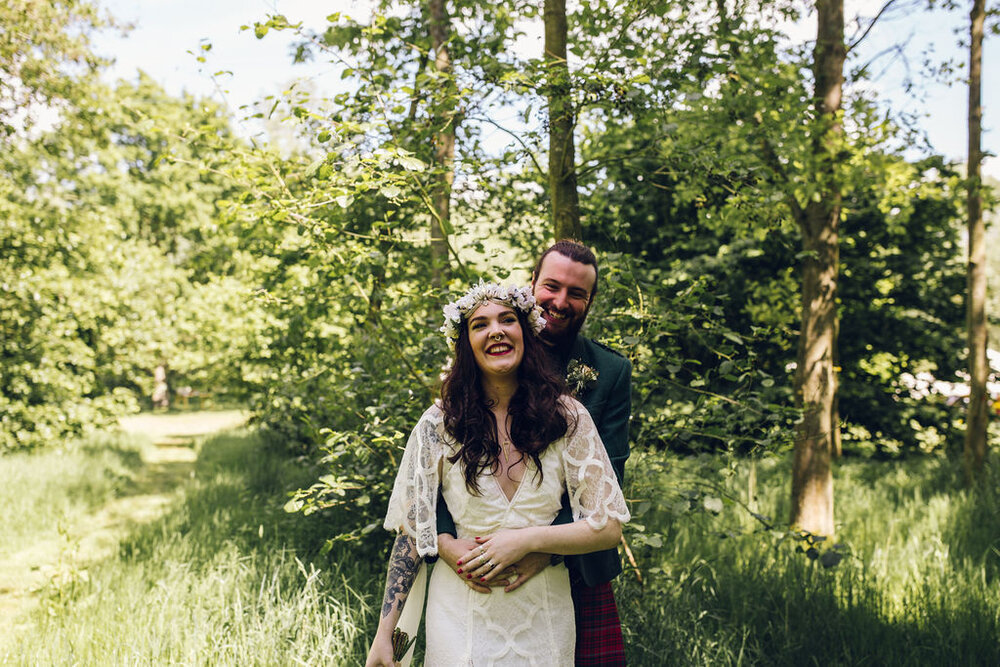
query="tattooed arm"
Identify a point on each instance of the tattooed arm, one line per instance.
(403, 564)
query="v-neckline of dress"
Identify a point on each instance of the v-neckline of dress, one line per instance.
(503, 494)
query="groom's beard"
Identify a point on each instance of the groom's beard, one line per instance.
(563, 338)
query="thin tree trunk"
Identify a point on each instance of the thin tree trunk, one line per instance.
(565, 202)
(444, 114)
(978, 416)
(837, 449)
(815, 377)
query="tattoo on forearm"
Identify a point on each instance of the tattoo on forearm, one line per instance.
(403, 564)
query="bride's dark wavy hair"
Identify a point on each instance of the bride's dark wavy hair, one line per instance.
(537, 418)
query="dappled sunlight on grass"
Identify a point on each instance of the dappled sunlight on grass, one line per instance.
(223, 577)
(724, 590)
(43, 492)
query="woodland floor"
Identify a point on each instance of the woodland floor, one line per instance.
(95, 536)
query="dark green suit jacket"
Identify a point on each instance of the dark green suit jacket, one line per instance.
(609, 401)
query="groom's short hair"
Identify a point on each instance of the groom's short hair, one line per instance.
(577, 252)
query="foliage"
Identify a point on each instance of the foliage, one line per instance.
(138, 229)
(720, 587)
(903, 277)
(225, 577)
(44, 54)
(698, 178)
(113, 258)
(115, 262)
(694, 230)
(698, 384)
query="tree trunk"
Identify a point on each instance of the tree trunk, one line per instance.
(835, 416)
(815, 376)
(565, 202)
(444, 114)
(974, 457)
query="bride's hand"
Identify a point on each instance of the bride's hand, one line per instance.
(496, 554)
(380, 654)
(453, 550)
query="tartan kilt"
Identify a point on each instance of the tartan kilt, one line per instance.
(598, 628)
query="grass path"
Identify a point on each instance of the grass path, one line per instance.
(95, 535)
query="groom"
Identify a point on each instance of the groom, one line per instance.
(564, 283)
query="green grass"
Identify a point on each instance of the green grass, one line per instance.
(44, 492)
(226, 577)
(919, 587)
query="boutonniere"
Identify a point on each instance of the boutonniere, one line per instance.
(580, 377)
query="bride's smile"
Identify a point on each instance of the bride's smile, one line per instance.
(496, 338)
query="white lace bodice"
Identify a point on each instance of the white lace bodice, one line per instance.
(533, 625)
(576, 463)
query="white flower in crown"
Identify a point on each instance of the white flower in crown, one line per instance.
(518, 298)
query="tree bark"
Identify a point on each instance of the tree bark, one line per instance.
(815, 376)
(565, 202)
(977, 419)
(444, 114)
(837, 447)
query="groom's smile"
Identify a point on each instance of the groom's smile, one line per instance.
(563, 288)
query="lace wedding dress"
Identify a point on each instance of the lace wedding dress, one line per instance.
(534, 624)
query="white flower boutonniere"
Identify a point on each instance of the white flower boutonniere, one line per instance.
(580, 377)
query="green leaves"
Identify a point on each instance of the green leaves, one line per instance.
(117, 267)
(813, 548)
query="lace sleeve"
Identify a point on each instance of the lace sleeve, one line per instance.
(413, 504)
(594, 493)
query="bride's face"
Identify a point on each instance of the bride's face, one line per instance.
(496, 339)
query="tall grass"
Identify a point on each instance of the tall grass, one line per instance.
(919, 585)
(225, 577)
(44, 492)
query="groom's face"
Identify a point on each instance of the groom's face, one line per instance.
(564, 289)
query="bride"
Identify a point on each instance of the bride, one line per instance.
(503, 443)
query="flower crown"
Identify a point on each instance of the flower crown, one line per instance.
(518, 298)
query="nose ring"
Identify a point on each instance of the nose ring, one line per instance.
(496, 336)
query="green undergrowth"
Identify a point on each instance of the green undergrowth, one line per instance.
(917, 585)
(45, 492)
(226, 577)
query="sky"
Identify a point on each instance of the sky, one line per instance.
(168, 35)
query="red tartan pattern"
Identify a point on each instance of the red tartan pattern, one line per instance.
(598, 628)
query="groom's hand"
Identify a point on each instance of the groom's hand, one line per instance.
(450, 549)
(528, 567)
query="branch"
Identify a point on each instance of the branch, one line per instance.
(895, 48)
(871, 25)
(641, 13)
(421, 190)
(517, 137)
(395, 346)
(711, 394)
(772, 161)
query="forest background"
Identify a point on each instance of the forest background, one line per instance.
(299, 269)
